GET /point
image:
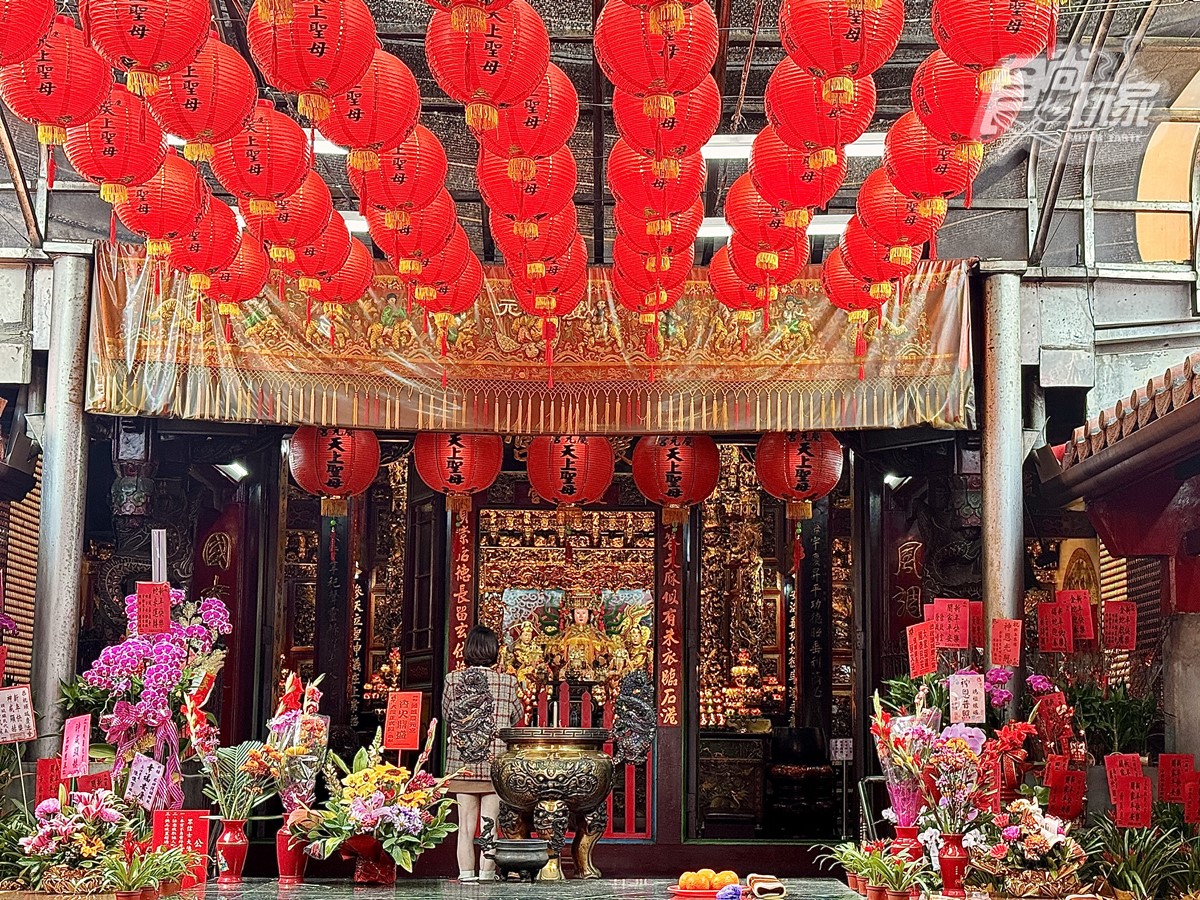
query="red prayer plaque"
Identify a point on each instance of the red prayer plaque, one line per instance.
(1175, 770)
(1056, 764)
(153, 607)
(1006, 642)
(1191, 802)
(922, 654)
(49, 777)
(402, 723)
(3, 661)
(90, 783)
(1083, 626)
(1120, 625)
(77, 735)
(1121, 765)
(953, 624)
(1067, 793)
(1132, 799)
(1055, 632)
(187, 829)
(16, 715)
(967, 699)
(976, 619)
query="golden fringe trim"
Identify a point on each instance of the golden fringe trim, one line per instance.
(51, 134)
(969, 151)
(199, 281)
(658, 227)
(229, 309)
(658, 106)
(995, 79)
(157, 248)
(799, 509)
(410, 266)
(279, 12)
(113, 192)
(838, 90)
(313, 107)
(522, 169)
(144, 84)
(260, 207)
(535, 269)
(881, 290)
(308, 284)
(667, 167)
(363, 160)
(468, 18)
(482, 114)
(767, 259)
(397, 218)
(667, 18)
(900, 255)
(798, 217)
(282, 253)
(931, 206)
(525, 228)
(823, 158)
(198, 151)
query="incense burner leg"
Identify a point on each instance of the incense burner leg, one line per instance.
(589, 828)
(550, 818)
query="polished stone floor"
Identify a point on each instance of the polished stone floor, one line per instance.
(430, 889)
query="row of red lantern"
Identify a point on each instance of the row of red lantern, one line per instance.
(666, 106)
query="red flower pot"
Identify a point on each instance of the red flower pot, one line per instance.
(231, 851)
(372, 865)
(290, 857)
(852, 881)
(952, 860)
(876, 892)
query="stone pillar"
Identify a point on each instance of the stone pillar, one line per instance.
(64, 489)
(1003, 565)
(1181, 674)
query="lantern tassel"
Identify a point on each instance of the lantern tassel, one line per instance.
(228, 330)
(112, 225)
(199, 313)
(144, 84)
(838, 90)
(363, 160)
(482, 115)
(308, 309)
(667, 18)
(468, 18)
(51, 166)
(522, 169)
(548, 337)
(313, 107)
(967, 198)
(658, 106)
(933, 245)
(198, 151)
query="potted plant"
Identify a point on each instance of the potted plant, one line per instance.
(902, 877)
(1134, 863)
(237, 785)
(171, 865)
(852, 861)
(68, 838)
(380, 814)
(1114, 719)
(1023, 852)
(128, 871)
(875, 860)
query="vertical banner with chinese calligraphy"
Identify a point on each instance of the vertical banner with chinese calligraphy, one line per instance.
(670, 632)
(462, 586)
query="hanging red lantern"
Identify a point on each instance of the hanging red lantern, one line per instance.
(948, 101)
(648, 304)
(856, 295)
(334, 464)
(166, 206)
(555, 234)
(676, 471)
(633, 180)
(458, 465)
(922, 167)
(650, 229)
(524, 205)
(408, 178)
(468, 15)
(241, 280)
(316, 262)
(757, 222)
(268, 159)
(745, 299)
(488, 71)
(666, 141)
(798, 467)
(550, 306)
(553, 274)
(35, 18)
(297, 221)
(423, 236)
(767, 267)
(207, 101)
(378, 113)
(147, 39)
(806, 121)
(318, 52)
(208, 247)
(570, 471)
(445, 299)
(894, 219)
(120, 146)
(60, 86)
(535, 127)
(648, 272)
(346, 285)
(872, 260)
(993, 39)
(782, 176)
(639, 57)
(839, 41)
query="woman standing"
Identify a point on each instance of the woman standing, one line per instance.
(476, 703)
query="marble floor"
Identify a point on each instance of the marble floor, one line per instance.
(430, 889)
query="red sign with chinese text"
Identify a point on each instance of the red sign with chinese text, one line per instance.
(94, 782)
(1132, 797)
(1083, 627)
(187, 829)
(402, 722)
(1120, 625)
(953, 624)
(49, 777)
(1175, 770)
(670, 633)
(1055, 631)
(922, 654)
(977, 630)
(153, 607)
(1006, 642)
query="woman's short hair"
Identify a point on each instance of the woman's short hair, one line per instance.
(482, 647)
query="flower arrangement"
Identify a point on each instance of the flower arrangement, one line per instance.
(404, 812)
(1138, 863)
(129, 869)
(902, 744)
(954, 789)
(1023, 852)
(139, 687)
(70, 837)
(235, 782)
(297, 738)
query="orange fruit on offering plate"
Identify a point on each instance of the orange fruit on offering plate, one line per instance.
(693, 881)
(708, 875)
(723, 879)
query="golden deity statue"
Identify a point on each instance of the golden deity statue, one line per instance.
(582, 651)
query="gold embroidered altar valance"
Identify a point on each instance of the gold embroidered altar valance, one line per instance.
(151, 356)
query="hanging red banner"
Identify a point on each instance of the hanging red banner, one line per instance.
(670, 632)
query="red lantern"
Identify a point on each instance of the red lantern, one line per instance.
(642, 59)
(650, 230)
(798, 467)
(488, 71)
(60, 86)
(766, 267)
(872, 260)
(378, 113)
(443, 268)
(948, 101)
(894, 219)
(556, 273)
(297, 221)
(570, 471)
(35, 18)
(633, 180)
(209, 247)
(424, 236)
(856, 295)
(317, 262)
(648, 272)
(783, 177)
(241, 280)
(267, 160)
(550, 306)
(147, 39)
(840, 40)
(666, 141)
(447, 298)
(468, 15)
(804, 120)
(408, 178)
(346, 285)
(676, 471)
(458, 465)
(555, 234)
(992, 39)
(757, 222)
(745, 299)
(333, 463)
(318, 53)
(535, 127)
(552, 188)
(648, 303)
(922, 167)
(165, 207)
(121, 146)
(207, 101)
